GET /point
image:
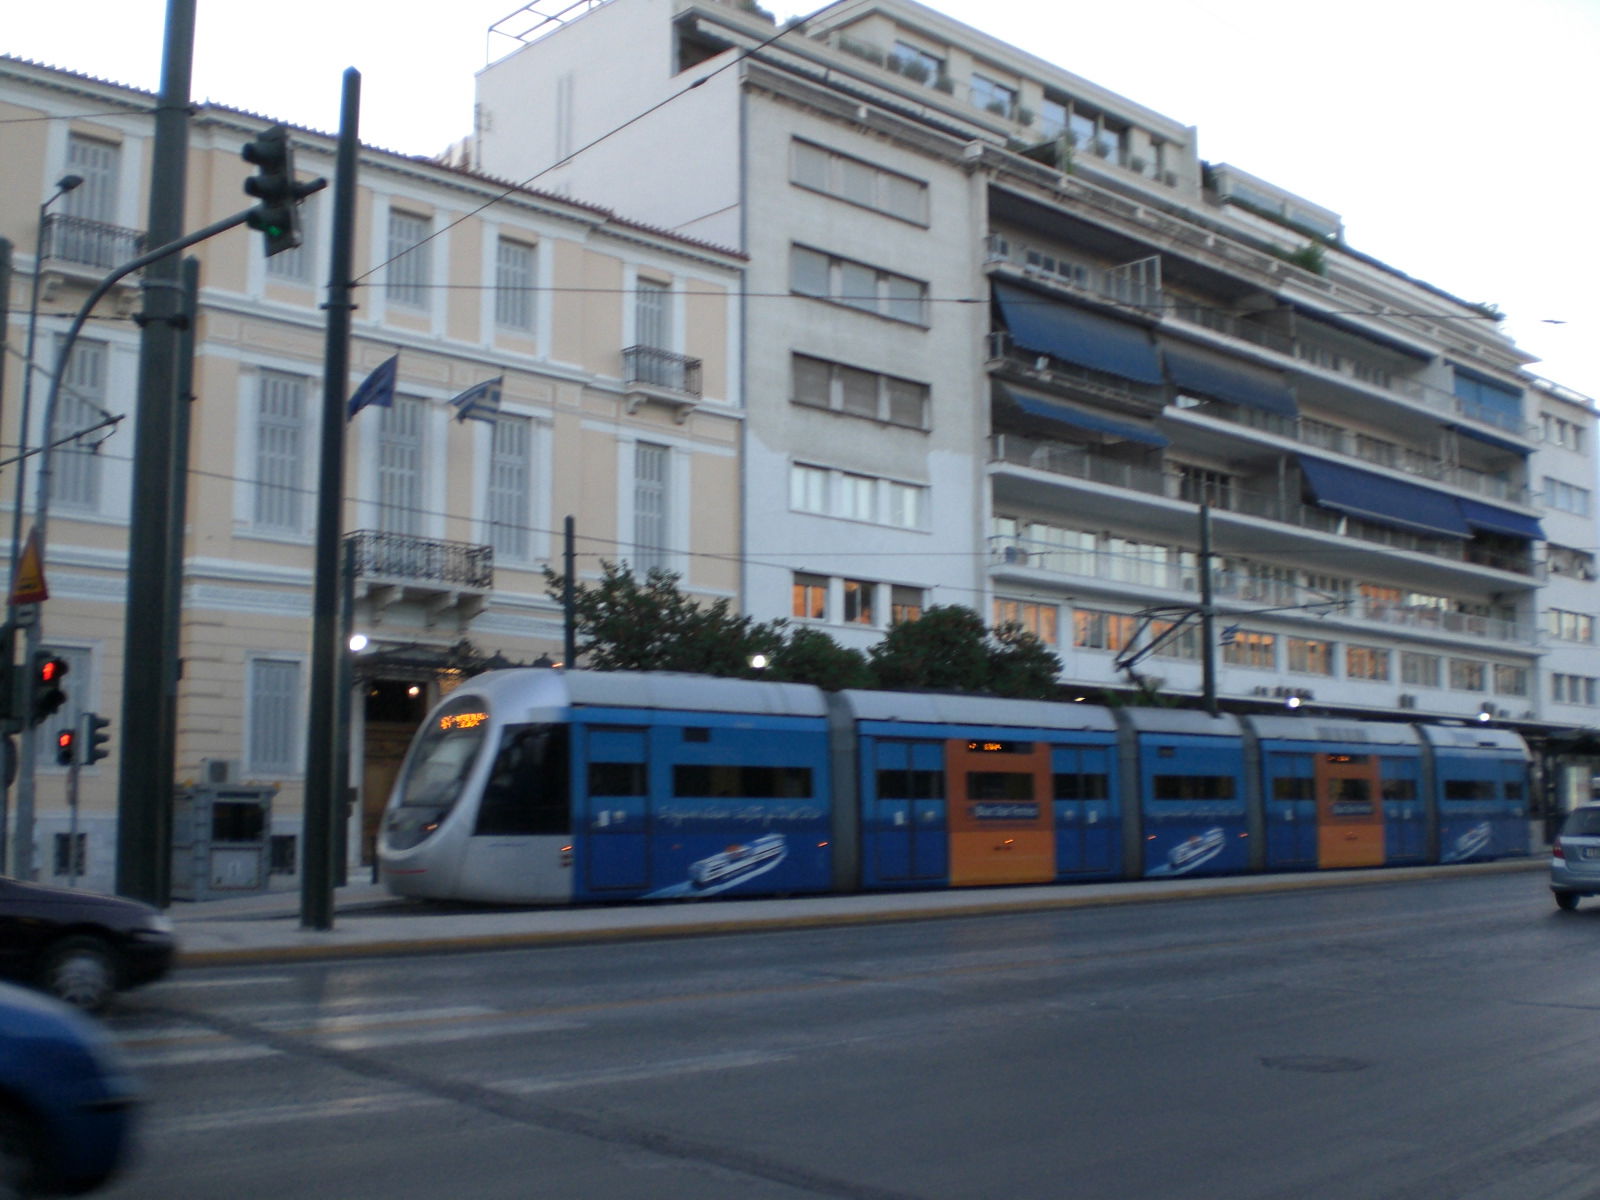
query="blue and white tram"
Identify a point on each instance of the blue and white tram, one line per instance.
(538, 786)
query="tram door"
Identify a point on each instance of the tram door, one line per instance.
(616, 814)
(1349, 811)
(1001, 812)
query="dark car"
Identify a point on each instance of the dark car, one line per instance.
(66, 1099)
(80, 946)
(1575, 857)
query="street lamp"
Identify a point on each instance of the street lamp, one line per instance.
(67, 183)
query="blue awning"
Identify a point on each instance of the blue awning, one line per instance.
(1075, 335)
(1501, 443)
(1053, 411)
(1382, 500)
(1492, 519)
(1233, 382)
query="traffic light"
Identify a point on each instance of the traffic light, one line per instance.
(8, 677)
(93, 737)
(46, 694)
(66, 746)
(273, 184)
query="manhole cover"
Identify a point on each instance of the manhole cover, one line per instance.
(1316, 1064)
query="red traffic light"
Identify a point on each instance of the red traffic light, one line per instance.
(66, 740)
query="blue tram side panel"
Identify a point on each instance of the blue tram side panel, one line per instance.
(694, 802)
(1289, 750)
(904, 791)
(1191, 791)
(1480, 782)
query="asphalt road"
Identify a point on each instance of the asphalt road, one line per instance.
(1429, 1039)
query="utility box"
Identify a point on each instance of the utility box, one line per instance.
(221, 841)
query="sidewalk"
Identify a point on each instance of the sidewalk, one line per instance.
(368, 921)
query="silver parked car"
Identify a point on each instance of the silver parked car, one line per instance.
(1575, 857)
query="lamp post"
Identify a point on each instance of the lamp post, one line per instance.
(67, 183)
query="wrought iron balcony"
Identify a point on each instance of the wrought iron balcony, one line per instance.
(81, 242)
(434, 578)
(660, 376)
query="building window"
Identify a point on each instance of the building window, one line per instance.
(1468, 675)
(274, 710)
(808, 489)
(810, 600)
(1557, 431)
(513, 285)
(1574, 689)
(905, 604)
(281, 452)
(1257, 651)
(510, 494)
(400, 430)
(850, 390)
(1037, 619)
(859, 182)
(75, 469)
(1310, 656)
(858, 601)
(858, 285)
(650, 479)
(1419, 670)
(407, 275)
(1571, 626)
(70, 858)
(856, 493)
(916, 63)
(1102, 630)
(89, 236)
(993, 96)
(1566, 497)
(1366, 662)
(1510, 681)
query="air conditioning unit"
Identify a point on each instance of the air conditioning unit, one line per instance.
(1407, 700)
(219, 770)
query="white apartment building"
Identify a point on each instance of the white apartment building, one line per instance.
(616, 346)
(1008, 334)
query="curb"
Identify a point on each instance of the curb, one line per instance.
(713, 926)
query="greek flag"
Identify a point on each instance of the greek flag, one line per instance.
(377, 388)
(480, 402)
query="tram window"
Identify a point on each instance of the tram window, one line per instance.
(1469, 789)
(1399, 789)
(617, 779)
(1514, 789)
(526, 792)
(696, 733)
(911, 785)
(1193, 787)
(726, 780)
(1294, 787)
(1082, 787)
(1351, 798)
(999, 785)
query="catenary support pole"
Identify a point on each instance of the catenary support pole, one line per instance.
(317, 840)
(144, 799)
(1208, 617)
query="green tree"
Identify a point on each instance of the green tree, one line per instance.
(1021, 665)
(943, 650)
(626, 625)
(811, 656)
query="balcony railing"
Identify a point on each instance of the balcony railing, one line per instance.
(1077, 462)
(661, 369)
(405, 559)
(87, 243)
(1180, 575)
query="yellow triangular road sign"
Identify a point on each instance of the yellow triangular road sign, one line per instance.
(29, 586)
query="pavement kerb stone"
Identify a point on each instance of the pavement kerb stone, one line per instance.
(267, 940)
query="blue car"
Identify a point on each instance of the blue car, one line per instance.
(66, 1099)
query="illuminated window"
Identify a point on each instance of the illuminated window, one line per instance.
(1468, 675)
(1257, 651)
(810, 597)
(1037, 619)
(1366, 662)
(858, 598)
(1311, 656)
(905, 604)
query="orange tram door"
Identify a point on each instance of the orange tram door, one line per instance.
(1002, 812)
(1349, 811)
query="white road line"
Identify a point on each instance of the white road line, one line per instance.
(633, 1074)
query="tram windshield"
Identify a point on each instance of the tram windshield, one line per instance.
(443, 754)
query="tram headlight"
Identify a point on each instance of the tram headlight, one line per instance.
(411, 827)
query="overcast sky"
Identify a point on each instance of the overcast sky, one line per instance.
(1447, 133)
